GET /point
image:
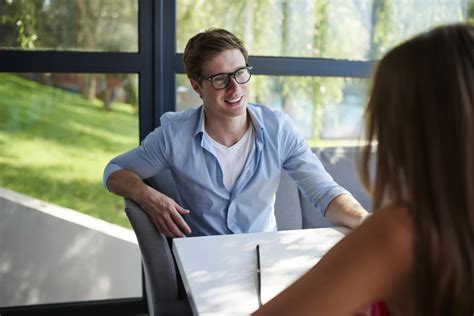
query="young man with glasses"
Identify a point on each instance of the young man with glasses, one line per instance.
(226, 156)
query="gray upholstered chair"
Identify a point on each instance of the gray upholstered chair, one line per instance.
(161, 278)
(292, 211)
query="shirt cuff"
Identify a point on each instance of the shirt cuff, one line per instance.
(111, 168)
(323, 203)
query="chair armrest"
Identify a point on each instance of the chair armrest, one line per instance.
(158, 262)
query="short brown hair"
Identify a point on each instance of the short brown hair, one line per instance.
(206, 44)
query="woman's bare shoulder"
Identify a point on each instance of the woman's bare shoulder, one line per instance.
(391, 231)
(396, 223)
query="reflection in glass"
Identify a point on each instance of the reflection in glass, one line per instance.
(327, 111)
(343, 29)
(80, 25)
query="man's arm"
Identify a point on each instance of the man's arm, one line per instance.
(345, 210)
(316, 184)
(163, 211)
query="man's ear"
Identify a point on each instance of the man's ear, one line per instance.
(196, 86)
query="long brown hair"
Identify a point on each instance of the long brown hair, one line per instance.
(421, 112)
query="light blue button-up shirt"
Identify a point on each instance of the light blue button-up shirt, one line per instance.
(178, 145)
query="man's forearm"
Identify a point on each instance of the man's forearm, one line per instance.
(345, 210)
(126, 183)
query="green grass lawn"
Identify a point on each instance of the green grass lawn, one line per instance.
(54, 145)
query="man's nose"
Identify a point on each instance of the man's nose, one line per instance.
(233, 85)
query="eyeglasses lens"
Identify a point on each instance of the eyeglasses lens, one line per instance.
(222, 81)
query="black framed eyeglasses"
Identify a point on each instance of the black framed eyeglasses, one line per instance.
(222, 81)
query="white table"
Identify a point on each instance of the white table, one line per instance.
(219, 272)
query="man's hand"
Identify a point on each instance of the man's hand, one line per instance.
(164, 212)
(345, 210)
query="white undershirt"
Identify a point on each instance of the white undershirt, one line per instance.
(233, 158)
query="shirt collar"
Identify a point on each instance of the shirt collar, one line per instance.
(199, 129)
(255, 116)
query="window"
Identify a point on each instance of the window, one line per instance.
(314, 55)
(60, 129)
(75, 90)
(343, 29)
(110, 25)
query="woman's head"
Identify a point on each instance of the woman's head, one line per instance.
(421, 112)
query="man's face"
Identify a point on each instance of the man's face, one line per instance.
(231, 101)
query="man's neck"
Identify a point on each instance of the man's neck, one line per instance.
(227, 131)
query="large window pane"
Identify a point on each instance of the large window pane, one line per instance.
(327, 111)
(57, 132)
(82, 25)
(61, 129)
(342, 29)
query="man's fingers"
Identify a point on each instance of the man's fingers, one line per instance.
(170, 224)
(182, 211)
(178, 219)
(167, 218)
(162, 227)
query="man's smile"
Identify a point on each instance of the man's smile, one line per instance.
(234, 100)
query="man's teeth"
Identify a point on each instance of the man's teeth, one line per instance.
(233, 100)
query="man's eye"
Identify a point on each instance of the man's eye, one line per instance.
(219, 79)
(240, 72)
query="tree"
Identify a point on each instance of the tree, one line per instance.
(99, 25)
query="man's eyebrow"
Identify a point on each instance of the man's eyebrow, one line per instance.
(226, 73)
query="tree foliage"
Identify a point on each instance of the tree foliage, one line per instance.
(347, 29)
(81, 25)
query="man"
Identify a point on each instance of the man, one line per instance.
(226, 156)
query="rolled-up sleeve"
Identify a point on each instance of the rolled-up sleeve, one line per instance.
(145, 160)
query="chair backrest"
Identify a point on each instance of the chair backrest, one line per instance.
(288, 204)
(342, 165)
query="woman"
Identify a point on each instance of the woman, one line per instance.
(415, 255)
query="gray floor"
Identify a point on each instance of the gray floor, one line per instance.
(50, 254)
